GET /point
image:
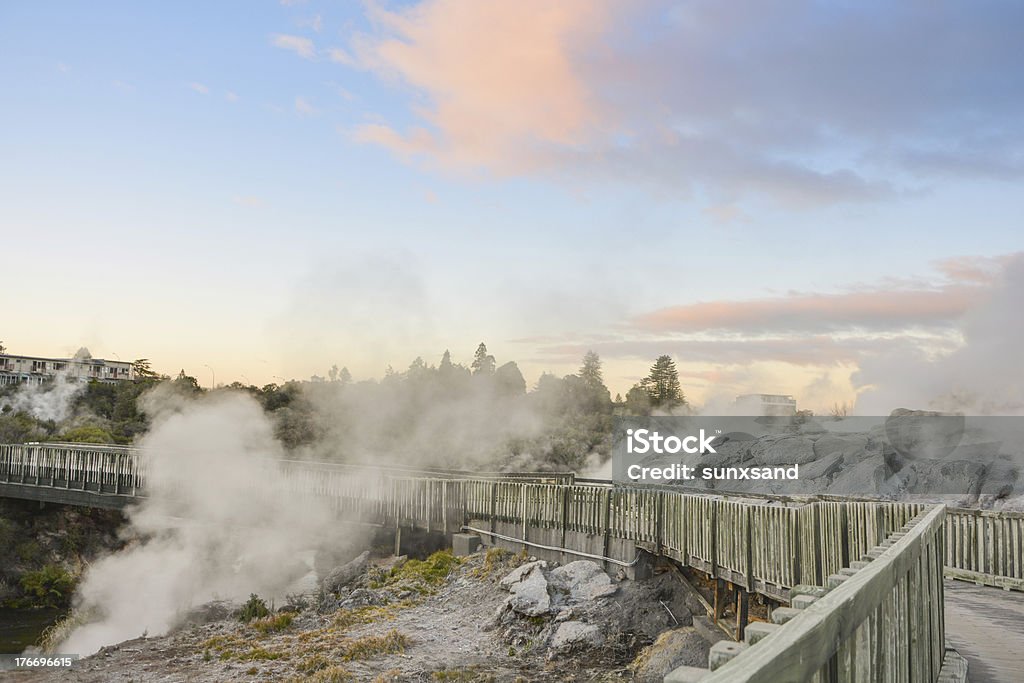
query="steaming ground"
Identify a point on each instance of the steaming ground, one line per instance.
(462, 628)
(217, 525)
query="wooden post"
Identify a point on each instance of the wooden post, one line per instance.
(742, 607)
(719, 599)
(494, 504)
(565, 517)
(607, 525)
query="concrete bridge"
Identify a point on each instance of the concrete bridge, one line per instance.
(855, 590)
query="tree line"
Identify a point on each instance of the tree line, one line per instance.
(444, 414)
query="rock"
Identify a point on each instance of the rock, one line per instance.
(346, 573)
(927, 477)
(822, 467)
(924, 434)
(572, 635)
(865, 479)
(851, 447)
(582, 580)
(530, 595)
(363, 597)
(520, 572)
(675, 648)
(785, 450)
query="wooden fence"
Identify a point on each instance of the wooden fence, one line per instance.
(767, 546)
(880, 620)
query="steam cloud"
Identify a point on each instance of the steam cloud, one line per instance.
(218, 523)
(45, 402)
(984, 376)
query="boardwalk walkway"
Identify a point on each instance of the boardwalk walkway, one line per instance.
(986, 625)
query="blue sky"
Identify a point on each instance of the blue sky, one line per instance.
(269, 189)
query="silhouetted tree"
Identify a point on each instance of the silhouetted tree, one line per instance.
(509, 380)
(662, 384)
(483, 362)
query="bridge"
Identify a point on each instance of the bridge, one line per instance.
(854, 590)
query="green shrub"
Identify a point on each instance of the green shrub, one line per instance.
(50, 586)
(254, 608)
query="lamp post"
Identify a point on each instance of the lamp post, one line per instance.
(213, 377)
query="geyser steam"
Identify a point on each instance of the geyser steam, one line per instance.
(218, 523)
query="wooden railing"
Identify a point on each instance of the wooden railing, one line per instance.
(768, 546)
(985, 547)
(879, 620)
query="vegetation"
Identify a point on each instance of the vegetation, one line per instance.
(254, 608)
(51, 586)
(478, 416)
(421, 576)
(272, 624)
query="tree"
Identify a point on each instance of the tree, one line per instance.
(345, 377)
(483, 362)
(662, 384)
(509, 379)
(333, 373)
(187, 383)
(143, 369)
(590, 372)
(3, 349)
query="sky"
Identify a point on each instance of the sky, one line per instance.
(781, 195)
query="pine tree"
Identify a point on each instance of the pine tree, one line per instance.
(662, 384)
(590, 372)
(483, 363)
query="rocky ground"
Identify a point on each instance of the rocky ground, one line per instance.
(976, 462)
(491, 617)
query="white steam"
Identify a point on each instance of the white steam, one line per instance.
(984, 376)
(217, 523)
(50, 401)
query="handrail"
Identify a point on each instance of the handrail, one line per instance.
(884, 617)
(981, 546)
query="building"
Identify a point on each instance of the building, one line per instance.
(34, 370)
(766, 404)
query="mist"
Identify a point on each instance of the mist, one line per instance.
(984, 376)
(218, 524)
(49, 401)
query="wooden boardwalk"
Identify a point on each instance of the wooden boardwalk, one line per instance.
(986, 626)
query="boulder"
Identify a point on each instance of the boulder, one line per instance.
(822, 467)
(923, 433)
(784, 450)
(339, 577)
(865, 479)
(851, 447)
(529, 589)
(581, 580)
(574, 635)
(520, 572)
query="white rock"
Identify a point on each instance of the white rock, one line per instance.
(571, 634)
(582, 580)
(520, 573)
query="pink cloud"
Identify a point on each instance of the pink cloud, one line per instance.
(499, 77)
(876, 310)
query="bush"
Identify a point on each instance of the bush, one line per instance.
(50, 586)
(254, 608)
(268, 624)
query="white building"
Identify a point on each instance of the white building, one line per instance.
(766, 404)
(35, 370)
